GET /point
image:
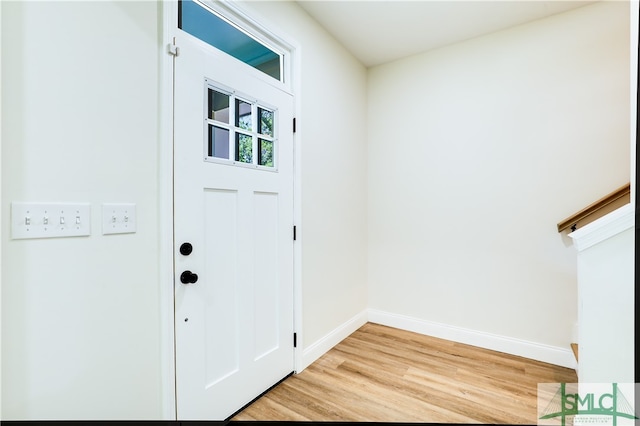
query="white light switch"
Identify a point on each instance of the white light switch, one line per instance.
(118, 218)
(50, 220)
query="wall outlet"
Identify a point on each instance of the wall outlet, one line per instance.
(50, 220)
(118, 218)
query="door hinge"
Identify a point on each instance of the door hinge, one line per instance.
(173, 49)
(294, 233)
(294, 125)
(295, 340)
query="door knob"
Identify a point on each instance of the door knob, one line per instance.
(188, 277)
(186, 249)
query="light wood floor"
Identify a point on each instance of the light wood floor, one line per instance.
(382, 374)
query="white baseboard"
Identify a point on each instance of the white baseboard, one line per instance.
(545, 353)
(322, 346)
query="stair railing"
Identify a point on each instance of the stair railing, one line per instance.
(596, 210)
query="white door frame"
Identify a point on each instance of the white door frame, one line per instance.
(169, 11)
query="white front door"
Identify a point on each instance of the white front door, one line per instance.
(233, 210)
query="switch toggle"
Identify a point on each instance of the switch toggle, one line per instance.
(50, 220)
(118, 218)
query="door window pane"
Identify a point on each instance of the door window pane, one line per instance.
(203, 23)
(244, 148)
(266, 121)
(218, 142)
(238, 131)
(265, 153)
(243, 115)
(218, 106)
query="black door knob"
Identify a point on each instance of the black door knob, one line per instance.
(188, 277)
(186, 249)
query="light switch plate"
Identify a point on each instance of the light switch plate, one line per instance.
(118, 218)
(50, 220)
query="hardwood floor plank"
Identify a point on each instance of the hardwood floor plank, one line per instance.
(273, 409)
(382, 374)
(461, 398)
(389, 399)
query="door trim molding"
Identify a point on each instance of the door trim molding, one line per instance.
(169, 12)
(165, 216)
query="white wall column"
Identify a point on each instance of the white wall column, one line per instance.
(606, 298)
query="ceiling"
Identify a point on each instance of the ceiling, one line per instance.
(379, 31)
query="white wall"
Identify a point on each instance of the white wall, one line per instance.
(475, 152)
(80, 316)
(332, 139)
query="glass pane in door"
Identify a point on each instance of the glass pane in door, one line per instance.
(218, 106)
(265, 153)
(243, 115)
(266, 121)
(244, 148)
(218, 145)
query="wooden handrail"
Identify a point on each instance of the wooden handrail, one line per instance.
(593, 209)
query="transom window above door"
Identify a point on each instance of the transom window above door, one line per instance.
(198, 19)
(238, 130)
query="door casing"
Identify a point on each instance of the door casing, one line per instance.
(241, 17)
